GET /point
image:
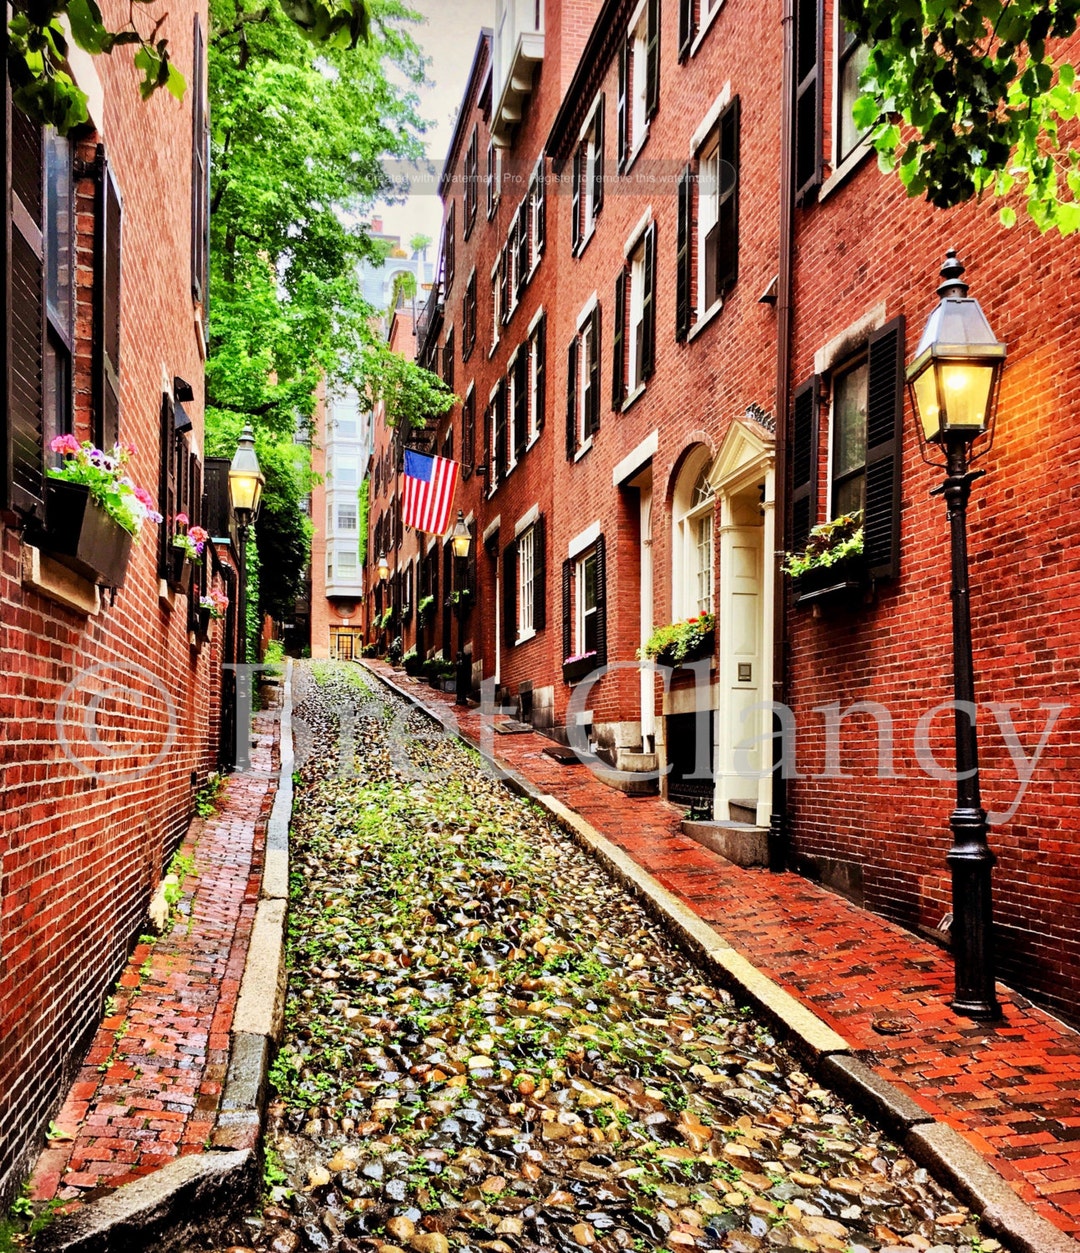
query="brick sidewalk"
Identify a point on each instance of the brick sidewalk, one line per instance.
(1012, 1089)
(149, 1087)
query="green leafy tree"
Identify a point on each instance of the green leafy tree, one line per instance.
(300, 137)
(963, 97)
(38, 45)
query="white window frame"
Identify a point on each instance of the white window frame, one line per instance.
(584, 435)
(637, 106)
(511, 398)
(842, 161)
(351, 506)
(635, 317)
(496, 304)
(687, 513)
(707, 216)
(534, 428)
(343, 466)
(581, 611)
(526, 565)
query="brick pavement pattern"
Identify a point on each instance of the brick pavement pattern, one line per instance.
(149, 1087)
(1011, 1089)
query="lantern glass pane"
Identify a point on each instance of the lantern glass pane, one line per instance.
(965, 391)
(926, 401)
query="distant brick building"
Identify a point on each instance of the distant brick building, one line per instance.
(110, 702)
(676, 300)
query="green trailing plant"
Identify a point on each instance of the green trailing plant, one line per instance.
(425, 610)
(385, 618)
(461, 598)
(677, 641)
(964, 98)
(830, 544)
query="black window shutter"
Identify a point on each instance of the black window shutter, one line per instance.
(539, 576)
(601, 602)
(540, 208)
(648, 306)
(618, 381)
(683, 256)
(804, 463)
(686, 27)
(884, 437)
(509, 589)
(448, 253)
(598, 158)
(200, 169)
(567, 609)
(652, 60)
(540, 399)
(571, 397)
(24, 315)
(594, 372)
(470, 569)
(468, 432)
(504, 281)
(522, 275)
(167, 485)
(575, 202)
(809, 136)
(727, 252)
(623, 117)
(106, 342)
(521, 401)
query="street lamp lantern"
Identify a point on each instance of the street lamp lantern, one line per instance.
(954, 377)
(954, 382)
(246, 480)
(383, 568)
(461, 536)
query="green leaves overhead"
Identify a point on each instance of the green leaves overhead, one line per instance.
(962, 97)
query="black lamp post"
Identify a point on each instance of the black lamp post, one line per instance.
(954, 384)
(246, 482)
(383, 571)
(460, 542)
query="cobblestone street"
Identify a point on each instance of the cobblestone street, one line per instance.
(490, 1045)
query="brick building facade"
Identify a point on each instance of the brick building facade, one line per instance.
(110, 700)
(676, 301)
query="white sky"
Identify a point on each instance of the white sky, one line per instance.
(448, 38)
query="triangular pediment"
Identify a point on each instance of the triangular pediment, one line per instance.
(747, 448)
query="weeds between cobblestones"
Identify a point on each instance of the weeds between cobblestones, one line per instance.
(490, 1046)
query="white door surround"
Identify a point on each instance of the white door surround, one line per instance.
(743, 478)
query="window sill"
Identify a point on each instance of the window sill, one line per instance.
(583, 449)
(49, 578)
(494, 348)
(583, 242)
(844, 170)
(704, 320)
(532, 440)
(700, 36)
(525, 637)
(636, 152)
(632, 399)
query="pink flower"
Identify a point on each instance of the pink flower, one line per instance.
(66, 444)
(181, 519)
(198, 534)
(144, 497)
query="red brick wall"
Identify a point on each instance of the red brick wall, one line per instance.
(864, 244)
(84, 845)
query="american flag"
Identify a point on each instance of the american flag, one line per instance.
(429, 492)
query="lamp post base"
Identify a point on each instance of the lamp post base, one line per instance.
(971, 862)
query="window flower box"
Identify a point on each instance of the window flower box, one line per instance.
(833, 568)
(83, 537)
(678, 643)
(574, 669)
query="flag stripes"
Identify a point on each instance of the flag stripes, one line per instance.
(428, 496)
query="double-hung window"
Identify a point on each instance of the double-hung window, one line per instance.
(586, 619)
(639, 80)
(468, 318)
(537, 377)
(526, 583)
(851, 59)
(346, 515)
(448, 247)
(470, 193)
(493, 178)
(848, 491)
(448, 359)
(583, 383)
(496, 301)
(537, 215)
(588, 178)
(707, 249)
(635, 319)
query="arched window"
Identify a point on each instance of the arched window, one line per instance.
(692, 583)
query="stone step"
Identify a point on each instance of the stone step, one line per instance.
(740, 842)
(743, 811)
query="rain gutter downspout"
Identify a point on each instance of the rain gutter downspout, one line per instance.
(778, 821)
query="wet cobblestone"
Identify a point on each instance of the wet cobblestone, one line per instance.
(489, 1045)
